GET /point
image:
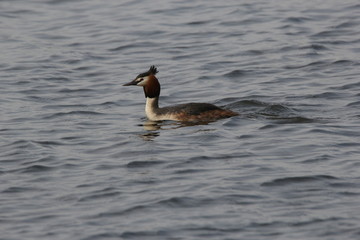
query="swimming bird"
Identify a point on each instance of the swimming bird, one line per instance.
(189, 112)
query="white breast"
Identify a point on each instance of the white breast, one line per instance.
(151, 113)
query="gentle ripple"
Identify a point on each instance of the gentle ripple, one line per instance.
(79, 160)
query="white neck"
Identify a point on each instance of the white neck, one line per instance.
(152, 104)
(154, 113)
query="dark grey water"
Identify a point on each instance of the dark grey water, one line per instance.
(79, 160)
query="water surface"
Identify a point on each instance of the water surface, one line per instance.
(79, 160)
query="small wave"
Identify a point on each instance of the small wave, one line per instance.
(93, 74)
(36, 168)
(296, 180)
(131, 210)
(343, 62)
(17, 190)
(18, 143)
(249, 103)
(54, 2)
(275, 109)
(105, 167)
(348, 86)
(337, 42)
(96, 196)
(71, 113)
(198, 22)
(328, 33)
(318, 159)
(294, 120)
(57, 79)
(49, 143)
(140, 164)
(315, 221)
(48, 36)
(109, 103)
(254, 52)
(184, 202)
(271, 111)
(316, 65)
(132, 45)
(67, 90)
(316, 47)
(278, 112)
(189, 171)
(72, 61)
(235, 73)
(298, 223)
(356, 103)
(313, 65)
(104, 235)
(248, 21)
(107, 148)
(325, 95)
(296, 19)
(159, 234)
(61, 106)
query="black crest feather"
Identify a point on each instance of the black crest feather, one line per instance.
(153, 70)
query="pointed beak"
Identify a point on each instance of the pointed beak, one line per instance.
(133, 82)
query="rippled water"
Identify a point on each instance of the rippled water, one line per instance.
(79, 160)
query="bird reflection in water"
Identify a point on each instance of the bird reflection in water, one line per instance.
(153, 128)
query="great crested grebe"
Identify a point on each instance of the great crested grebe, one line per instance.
(188, 112)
